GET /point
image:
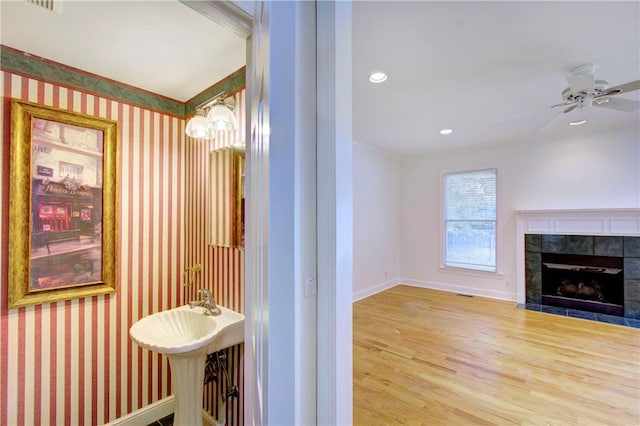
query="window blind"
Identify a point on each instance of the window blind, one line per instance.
(470, 220)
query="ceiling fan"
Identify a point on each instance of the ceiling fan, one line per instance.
(585, 91)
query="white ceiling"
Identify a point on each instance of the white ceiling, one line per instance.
(488, 70)
(160, 46)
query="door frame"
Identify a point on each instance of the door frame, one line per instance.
(332, 388)
(335, 213)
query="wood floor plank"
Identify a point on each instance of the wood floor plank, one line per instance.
(426, 357)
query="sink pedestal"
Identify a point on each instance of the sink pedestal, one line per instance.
(185, 336)
(187, 381)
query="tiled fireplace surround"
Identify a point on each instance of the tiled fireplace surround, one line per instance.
(590, 245)
(614, 233)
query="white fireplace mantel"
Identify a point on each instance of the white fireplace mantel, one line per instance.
(570, 222)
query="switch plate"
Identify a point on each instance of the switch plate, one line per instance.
(309, 285)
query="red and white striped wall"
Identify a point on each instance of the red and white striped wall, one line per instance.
(72, 362)
(222, 267)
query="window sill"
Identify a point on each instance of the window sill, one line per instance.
(470, 272)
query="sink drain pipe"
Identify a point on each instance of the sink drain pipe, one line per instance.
(215, 362)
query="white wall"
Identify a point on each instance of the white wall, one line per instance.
(376, 224)
(579, 172)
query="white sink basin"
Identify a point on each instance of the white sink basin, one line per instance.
(186, 335)
(174, 331)
(229, 332)
(183, 330)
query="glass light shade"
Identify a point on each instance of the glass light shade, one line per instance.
(222, 118)
(198, 127)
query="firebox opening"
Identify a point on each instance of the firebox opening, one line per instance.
(587, 283)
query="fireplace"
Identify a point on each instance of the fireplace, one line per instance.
(586, 283)
(604, 233)
(595, 273)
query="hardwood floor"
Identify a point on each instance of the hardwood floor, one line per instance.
(435, 358)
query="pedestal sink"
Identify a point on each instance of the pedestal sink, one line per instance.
(186, 335)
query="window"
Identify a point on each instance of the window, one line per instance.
(470, 220)
(69, 170)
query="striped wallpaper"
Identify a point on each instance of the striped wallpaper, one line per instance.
(222, 267)
(72, 362)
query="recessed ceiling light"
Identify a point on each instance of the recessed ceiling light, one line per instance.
(378, 77)
(577, 122)
(446, 131)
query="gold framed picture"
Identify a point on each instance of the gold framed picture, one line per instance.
(62, 214)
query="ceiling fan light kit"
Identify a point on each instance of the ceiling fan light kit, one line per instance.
(585, 91)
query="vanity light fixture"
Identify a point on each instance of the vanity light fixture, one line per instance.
(378, 77)
(216, 114)
(446, 131)
(577, 122)
(198, 127)
(221, 114)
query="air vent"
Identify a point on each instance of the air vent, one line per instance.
(53, 5)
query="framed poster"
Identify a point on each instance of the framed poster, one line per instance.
(62, 213)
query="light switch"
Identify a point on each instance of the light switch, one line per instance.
(309, 284)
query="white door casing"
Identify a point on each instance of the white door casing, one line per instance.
(280, 323)
(283, 341)
(256, 227)
(298, 353)
(335, 213)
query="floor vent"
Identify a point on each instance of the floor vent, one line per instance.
(464, 295)
(53, 5)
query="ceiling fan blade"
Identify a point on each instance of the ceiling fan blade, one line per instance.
(549, 123)
(619, 104)
(623, 88)
(571, 108)
(581, 83)
(563, 104)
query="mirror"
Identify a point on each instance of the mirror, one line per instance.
(226, 197)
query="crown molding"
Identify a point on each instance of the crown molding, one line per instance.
(28, 65)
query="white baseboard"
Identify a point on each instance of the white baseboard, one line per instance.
(156, 411)
(452, 288)
(147, 415)
(209, 420)
(375, 289)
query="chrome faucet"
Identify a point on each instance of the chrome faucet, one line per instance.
(207, 302)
